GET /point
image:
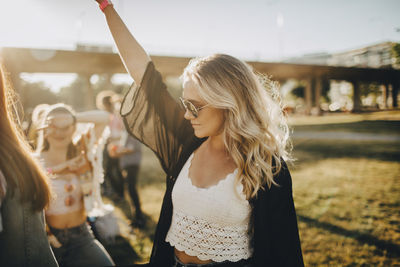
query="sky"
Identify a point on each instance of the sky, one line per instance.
(263, 30)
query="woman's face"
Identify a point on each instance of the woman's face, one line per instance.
(210, 120)
(60, 129)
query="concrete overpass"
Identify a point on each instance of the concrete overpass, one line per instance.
(84, 63)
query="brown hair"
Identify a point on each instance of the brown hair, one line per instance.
(21, 170)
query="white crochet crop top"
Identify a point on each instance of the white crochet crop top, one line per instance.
(210, 223)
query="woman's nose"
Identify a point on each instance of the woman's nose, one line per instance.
(188, 115)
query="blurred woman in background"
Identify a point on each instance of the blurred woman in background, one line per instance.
(71, 176)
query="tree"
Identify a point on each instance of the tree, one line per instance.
(396, 53)
(33, 94)
(74, 94)
(298, 91)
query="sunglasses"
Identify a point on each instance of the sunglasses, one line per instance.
(191, 107)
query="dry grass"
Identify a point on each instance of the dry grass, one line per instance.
(347, 196)
(348, 211)
(391, 115)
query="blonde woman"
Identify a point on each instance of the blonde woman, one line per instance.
(228, 200)
(71, 176)
(24, 193)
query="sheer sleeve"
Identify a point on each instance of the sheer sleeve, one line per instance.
(152, 116)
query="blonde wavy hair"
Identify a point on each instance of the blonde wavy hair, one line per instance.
(256, 133)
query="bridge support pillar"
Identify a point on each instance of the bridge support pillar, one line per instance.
(317, 84)
(308, 92)
(395, 91)
(385, 95)
(356, 97)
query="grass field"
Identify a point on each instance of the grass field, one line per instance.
(347, 195)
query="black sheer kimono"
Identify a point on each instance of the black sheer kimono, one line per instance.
(152, 116)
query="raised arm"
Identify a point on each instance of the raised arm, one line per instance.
(131, 52)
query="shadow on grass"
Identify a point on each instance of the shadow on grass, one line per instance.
(125, 207)
(121, 251)
(377, 126)
(309, 150)
(382, 245)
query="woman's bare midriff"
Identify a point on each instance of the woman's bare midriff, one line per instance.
(67, 220)
(186, 259)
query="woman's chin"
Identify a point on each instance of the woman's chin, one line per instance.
(198, 134)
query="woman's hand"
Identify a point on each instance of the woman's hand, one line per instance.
(116, 151)
(79, 165)
(76, 163)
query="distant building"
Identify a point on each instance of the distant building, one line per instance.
(341, 93)
(313, 59)
(94, 48)
(372, 56)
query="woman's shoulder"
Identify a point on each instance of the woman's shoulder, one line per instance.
(281, 172)
(282, 179)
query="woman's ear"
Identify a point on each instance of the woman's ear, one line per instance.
(225, 114)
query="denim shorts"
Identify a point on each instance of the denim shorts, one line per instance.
(79, 247)
(241, 263)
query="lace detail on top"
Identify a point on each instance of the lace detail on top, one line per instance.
(210, 223)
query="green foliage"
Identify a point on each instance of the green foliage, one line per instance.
(396, 52)
(326, 86)
(369, 88)
(75, 94)
(33, 94)
(298, 91)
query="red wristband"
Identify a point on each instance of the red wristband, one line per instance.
(104, 4)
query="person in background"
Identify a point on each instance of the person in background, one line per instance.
(72, 174)
(228, 199)
(113, 175)
(24, 193)
(130, 155)
(129, 152)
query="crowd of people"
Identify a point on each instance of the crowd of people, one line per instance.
(223, 146)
